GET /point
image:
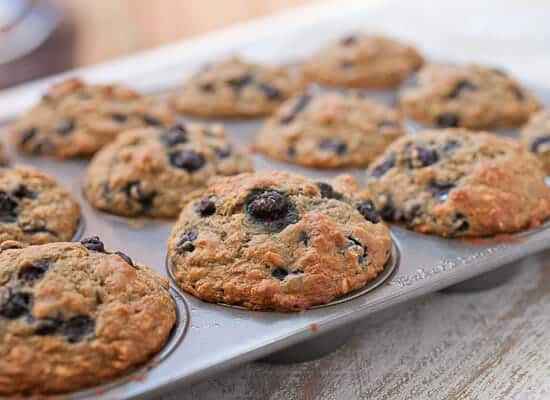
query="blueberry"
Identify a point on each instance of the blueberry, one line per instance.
(517, 92)
(299, 106)
(367, 209)
(23, 191)
(333, 145)
(14, 304)
(460, 222)
(151, 121)
(450, 146)
(186, 242)
(28, 134)
(8, 208)
(291, 152)
(94, 244)
(238, 83)
(388, 211)
(461, 86)
(357, 243)
(539, 141)
(48, 326)
(133, 191)
(271, 92)
(125, 257)
(383, 167)
(408, 216)
(420, 156)
(188, 160)
(65, 126)
(222, 153)
(272, 209)
(119, 118)
(33, 272)
(441, 189)
(346, 65)
(77, 328)
(279, 273)
(174, 135)
(304, 238)
(447, 120)
(207, 207)
(348, 41)
(327, 191)
(207, 87)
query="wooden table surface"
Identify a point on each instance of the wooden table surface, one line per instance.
(493, 344)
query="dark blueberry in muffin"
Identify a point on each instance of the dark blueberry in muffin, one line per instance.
(34, 272)
(441, 190)
(93, 243)
(272, 209)
(24, 192)
(279, 273)
(65, 126)
(174, 135)
(298, 108)
(120, 118)
(460, 87)
(450, 146)
(77, 328)
(238, 83)
(357, 243)
(207, 87)
(447, 121)
(541, 140)
(420, 156)
(186, 242)
(125, 257)
(367, 209)
(8, 207)
(333, 145)
(206, 207)
(48, 326)
(291, 152)
(133, 191)
(518, 93)
(388, 211)
(384, 167)
(346, 65)
(14, 304)
(151, 121)
(327, 191)
(460, 223)
(271, 92)
(188, 160)
(28, 134)
(222, 153)
(348, 41)
(303, 237)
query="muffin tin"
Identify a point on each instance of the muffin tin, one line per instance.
(211, 337)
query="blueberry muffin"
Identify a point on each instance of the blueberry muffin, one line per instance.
(278, 241)
(471, 96)
(145, 172)
(34, 209)
(233, 88)
(73, 315)
(536, 137)
(75, 119)
(454, 182)
(363, 61)
(329, 130)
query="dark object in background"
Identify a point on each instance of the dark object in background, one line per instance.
(34, 41)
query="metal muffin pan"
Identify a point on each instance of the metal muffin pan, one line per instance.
(211, 337)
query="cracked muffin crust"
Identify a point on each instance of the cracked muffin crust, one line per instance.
(75, 119)
(470, 96)
(536, 136)
(73, 315)
(233, 88)
(34, 208)
(145, 172)
(363, 61)
(329, 130)
(454, 182)
(278, 241)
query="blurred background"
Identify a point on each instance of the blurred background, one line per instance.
(42, 37)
